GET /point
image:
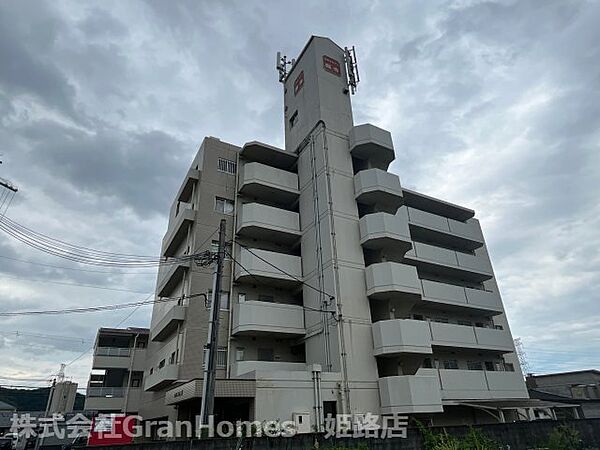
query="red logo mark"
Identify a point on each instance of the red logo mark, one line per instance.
(299, 82)
(332, 66)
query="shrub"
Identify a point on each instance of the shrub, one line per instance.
(564, 438)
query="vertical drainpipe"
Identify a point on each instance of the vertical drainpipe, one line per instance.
(231, 263)
(132, 360)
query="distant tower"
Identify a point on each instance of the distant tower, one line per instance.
(525, 367)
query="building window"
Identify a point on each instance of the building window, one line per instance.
(241, 297)
(222, 357)
(172, 358)
(293, 119)
(223, 205)
(227, 166)
(489, 366)
(450, 364)
(266, 354)
(136, 383)
(161, 364)
(427, 363)
(239, 353)
(474, 365)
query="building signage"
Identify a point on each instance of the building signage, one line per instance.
(332, 66)
(299, 82)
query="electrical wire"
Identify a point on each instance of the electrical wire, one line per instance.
(112, 272)
(90, 309)
(18, 333)
(81, 254)
(64, 283)
(284, 272)
(308, 308)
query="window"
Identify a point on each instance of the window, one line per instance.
(266, 354)
(223, 302)
(222, 357)
(450, 364)
(227, 166)
(161, 364)
(241, 297)
(293, 119)
(136, 382)
(489, 366)
(240, 353)
(474, 365)
(223, 205)
(427, 363)
(172, 358)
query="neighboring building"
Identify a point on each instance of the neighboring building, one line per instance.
(345, 293)
(581, 387)
(117, 370)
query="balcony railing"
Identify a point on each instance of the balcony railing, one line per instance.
(267, 223)
(389, 280)
(450, 294)
(371, 143)
(255, 317)
(378, 188)
(269, 183)
(113, 351)
(382, 230)
(107, 392)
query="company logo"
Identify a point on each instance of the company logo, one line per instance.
(299, 82)
(332, 66)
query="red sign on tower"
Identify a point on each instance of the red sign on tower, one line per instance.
(331, 65)
(299, 82)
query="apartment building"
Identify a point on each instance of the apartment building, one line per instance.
(343, 291)
(116, 380)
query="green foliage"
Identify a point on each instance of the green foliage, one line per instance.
(564, 438)
(473, 440)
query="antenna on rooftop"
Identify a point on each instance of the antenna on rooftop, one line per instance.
(351, 68)
(281, 66)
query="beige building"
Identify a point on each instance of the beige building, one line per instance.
(116, 381)
(343, 292)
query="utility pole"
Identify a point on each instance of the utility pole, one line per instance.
(210, 356)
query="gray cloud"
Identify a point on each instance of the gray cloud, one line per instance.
(492, 104)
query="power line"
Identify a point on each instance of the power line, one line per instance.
(64, 283)
(89, 309)
(76, 268)
(309, 308)
(19, 333)
(284, 272)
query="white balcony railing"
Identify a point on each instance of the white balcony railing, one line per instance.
(113, 351)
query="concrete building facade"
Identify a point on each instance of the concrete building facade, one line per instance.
(343, 291)
(116, 381)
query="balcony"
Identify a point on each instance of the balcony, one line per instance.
(268, 267)
(161, 377)
(268, 155)
(451, 263)
(378, 189)
(394, 337)
(267, 223)
(277, 319)
(382, 230)
(185, 191)
(249, 369)
(373, 144)
(478, 384)
(389, 280)
(462, 336)
(171, 276)
(453, 233)
(168, 324)
(410, 394)
(268, 183)
(118, 358)
(461, 297)
(178, 230)
(436, 206)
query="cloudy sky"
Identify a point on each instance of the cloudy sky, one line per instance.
(491, 104)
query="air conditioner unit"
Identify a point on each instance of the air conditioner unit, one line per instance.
(302, 421)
